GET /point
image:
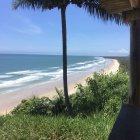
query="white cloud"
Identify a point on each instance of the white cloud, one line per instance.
(121, 51)
(26, 26)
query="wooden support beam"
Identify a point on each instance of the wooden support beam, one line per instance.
(119, 6)
(135, 3)
(134, 97)
(116, 6)
(132, 15)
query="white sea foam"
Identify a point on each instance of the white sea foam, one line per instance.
(40, 74)
(82, 67)
(87, 64)
(54, 68)
(80, 63)
(98, 58)
(23, 72)
(32, 76)
(6, 76)
(18, 82)
(37, 75)
(56, 74)
(102, 61)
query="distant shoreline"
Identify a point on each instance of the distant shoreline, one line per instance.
(48, 54)
(11, 100)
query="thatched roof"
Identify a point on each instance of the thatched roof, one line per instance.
(119, 6)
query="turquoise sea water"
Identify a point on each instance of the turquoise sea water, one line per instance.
(17, 71)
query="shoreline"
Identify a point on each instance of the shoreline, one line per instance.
(11, 100)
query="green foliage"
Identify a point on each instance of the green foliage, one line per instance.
(34, 106)
(101, 93)
(58, 102)
(26, 127)
(95, 105)
(124, 63)
(82, 103)
(42, 106)
(113, 106)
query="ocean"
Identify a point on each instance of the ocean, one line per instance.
(17, 71)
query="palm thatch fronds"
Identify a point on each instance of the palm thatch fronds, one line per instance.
(93, 7)
(40, 4)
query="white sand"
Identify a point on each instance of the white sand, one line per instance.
(10, 100)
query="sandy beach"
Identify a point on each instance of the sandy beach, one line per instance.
(10, 100)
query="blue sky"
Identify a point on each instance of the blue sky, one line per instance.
(36, 32)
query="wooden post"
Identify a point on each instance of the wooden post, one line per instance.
(134, 97)
(127, 125)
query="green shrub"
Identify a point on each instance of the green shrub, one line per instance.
(58, 102)
(101, 93)
(113, 106)
(82, 103)
(34, 106)
(42, 106)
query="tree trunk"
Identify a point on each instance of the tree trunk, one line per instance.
(64, 36)
(134, 97)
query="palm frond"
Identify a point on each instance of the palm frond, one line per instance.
(93, 7)
(35, 4)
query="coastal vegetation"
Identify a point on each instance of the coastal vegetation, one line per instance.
(124, 63)
(100, 93)
(95, 107)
